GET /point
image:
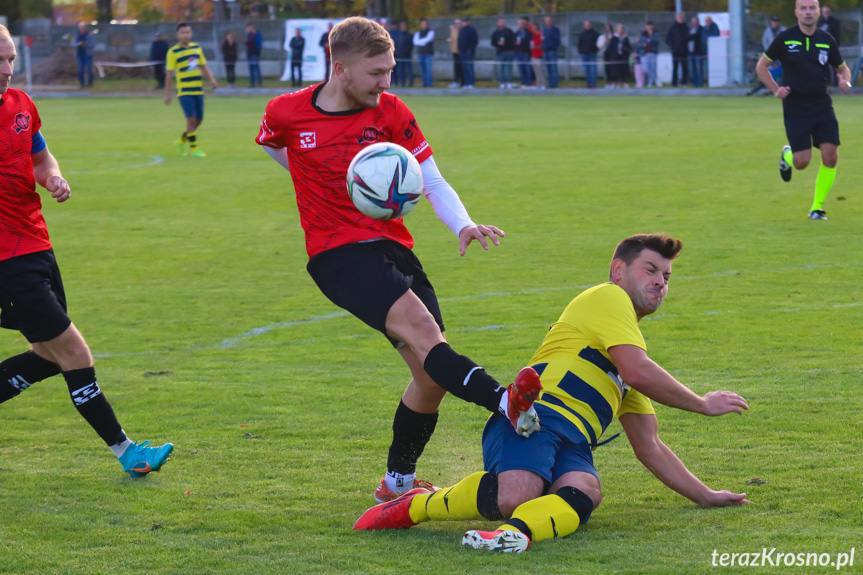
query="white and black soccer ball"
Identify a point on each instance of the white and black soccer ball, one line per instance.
(384, 181)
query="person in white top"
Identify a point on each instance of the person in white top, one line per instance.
(424, 44)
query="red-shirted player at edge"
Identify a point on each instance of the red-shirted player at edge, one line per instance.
(32, 299)
(366, 266)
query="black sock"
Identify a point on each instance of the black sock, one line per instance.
(411, 433)
(578, 500)
(486, 498)
(93, 406)
(21, 371)
(463, 378)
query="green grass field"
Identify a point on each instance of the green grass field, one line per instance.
(188, 279)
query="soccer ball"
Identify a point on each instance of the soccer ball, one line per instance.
(384, 181)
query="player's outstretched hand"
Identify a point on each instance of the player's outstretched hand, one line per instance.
(724, 499)
(59, 188)
(478, 233)
(213, 83)
(722, 402)
(782, 92)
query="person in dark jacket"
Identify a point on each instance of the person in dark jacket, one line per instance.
(648, 48)
(617, 53)
(503, 40)
(158, 53)
(404, 47)
(678, 40)
(468, 40)
(550, 45)
(229, 57)
(254, 45)
(523, 37)
(587, 49)
(697, 52)
(324, 43)
(297, 45)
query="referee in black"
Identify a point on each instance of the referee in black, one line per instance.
(807, 54)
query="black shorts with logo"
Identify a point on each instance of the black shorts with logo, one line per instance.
(811, 125)
(367, 278)
(32, 299)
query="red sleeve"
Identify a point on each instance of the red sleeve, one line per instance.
(408, 134)
(35, 120)
(271, 134)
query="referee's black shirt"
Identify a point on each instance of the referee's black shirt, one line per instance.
(806, 62)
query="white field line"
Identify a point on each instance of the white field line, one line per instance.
(153, 160)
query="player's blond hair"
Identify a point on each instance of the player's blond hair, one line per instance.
(357, 36)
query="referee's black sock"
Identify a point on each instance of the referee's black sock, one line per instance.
(411, 433)
(93, 406)
(463, 378)
(21, 371)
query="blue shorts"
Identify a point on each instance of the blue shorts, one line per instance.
(557, 448)
(193, 106)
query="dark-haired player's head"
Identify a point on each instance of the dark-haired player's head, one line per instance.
(184, 33)
(7, 58)
(362, 56)
(641, 266)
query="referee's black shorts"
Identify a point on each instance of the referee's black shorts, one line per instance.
(367, 278)
(32, 299)
(805, 131)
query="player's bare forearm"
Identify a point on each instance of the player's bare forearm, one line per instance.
(844, 76)
(46, 172)
(169, 75)
(212, 78)
(659, 459)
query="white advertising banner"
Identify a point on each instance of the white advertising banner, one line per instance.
(314, 59)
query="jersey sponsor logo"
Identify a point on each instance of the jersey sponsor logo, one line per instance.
(307, 140)
(193, 62)
(22, 122)
(370, 134)
(822, 57)
(420, 149)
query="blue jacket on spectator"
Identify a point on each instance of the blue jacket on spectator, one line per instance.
(550, 40)
(467, 39)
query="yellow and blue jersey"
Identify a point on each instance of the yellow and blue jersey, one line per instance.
(187, 62)
(579, 380)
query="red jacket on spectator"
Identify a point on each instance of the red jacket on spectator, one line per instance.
(535, 43)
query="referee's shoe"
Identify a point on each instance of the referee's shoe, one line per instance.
(784, 167)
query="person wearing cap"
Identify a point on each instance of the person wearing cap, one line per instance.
(158, 53)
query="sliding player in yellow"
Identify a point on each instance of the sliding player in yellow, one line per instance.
(593, 366)
(187, 59)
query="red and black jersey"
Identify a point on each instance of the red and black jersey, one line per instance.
(320, 147)
(22, 227)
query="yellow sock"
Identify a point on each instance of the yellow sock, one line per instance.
(193, 141)
(546, 517)
(460, 502)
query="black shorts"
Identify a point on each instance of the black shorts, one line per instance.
(367, 278)
(805, 131)
(32, 299)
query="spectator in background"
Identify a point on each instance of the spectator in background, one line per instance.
(601, 45)
(503, 40)
(617, 53)
(229, 57)
(648, 48)
(587, 50)
(254, 44)
(537, 65)
(297, 46)
(467, 43)
(770, 33)
(677, 39)
(833, 27)
(158, 53)
(696, 52)
(523, 38)
(85, 43)
(404, 49)
(324, 43)
(710, 30)
(424, 42)
(454, 30)
(550, 45)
